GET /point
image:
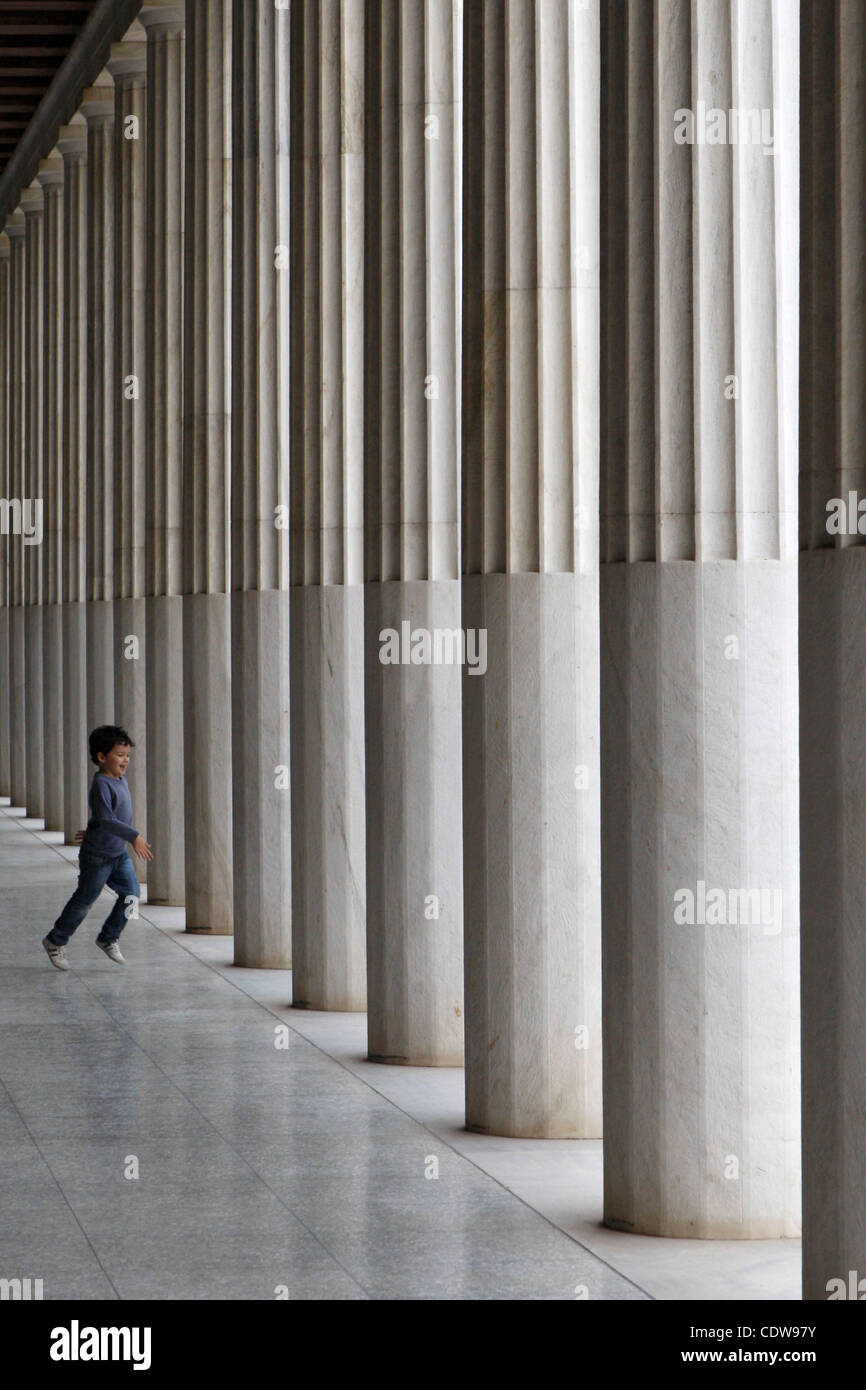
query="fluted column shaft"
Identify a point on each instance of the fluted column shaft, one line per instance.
(127, 64)
(97, 107)
(5, 491)
(32, 491)
(72, 143)
(206, 457)
(699, 656)
(15, 547)
(163, 407)
(530, 587)
(50, 177)
(832, 651)
(259, 493)
(412, 537)
(327, 617)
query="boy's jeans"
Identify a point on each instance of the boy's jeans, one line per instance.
(95, 872)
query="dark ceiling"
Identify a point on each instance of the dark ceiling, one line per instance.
(35, 36)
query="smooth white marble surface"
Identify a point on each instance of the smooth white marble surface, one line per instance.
(165, 764)
(207, 760)
(532, 910)
(328, 808)
(414, 842)
(701, 1017)
(261, 789)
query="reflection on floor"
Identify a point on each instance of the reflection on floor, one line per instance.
(172, 1129)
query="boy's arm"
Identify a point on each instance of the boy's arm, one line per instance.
(100, 805)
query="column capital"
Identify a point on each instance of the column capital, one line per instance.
(97, 101)
(72, 140)
(51, 172)
(127, 60)
(32, 199)
(15, 224)
(5, 248)
(163, 16)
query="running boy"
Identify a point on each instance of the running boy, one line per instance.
(103, 860)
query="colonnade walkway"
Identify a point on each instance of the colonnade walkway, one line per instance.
(269, 1170)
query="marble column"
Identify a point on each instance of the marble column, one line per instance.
(259, 489)
(327, 597)
(412, 536)
(50, 176)
(699, 619)
(206, 461)
(832, 651)
(97, 107)
(5, 491)
(530, 566)
(15, 549)
(163, 411)
(32, 496)
(72, 144)
(127, 64)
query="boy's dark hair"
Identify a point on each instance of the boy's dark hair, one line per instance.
(103, 739)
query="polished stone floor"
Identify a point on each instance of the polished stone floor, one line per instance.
(267, 1170)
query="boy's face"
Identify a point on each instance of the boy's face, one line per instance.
(116, 762)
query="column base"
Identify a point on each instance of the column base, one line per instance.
(52, 713)
(327, 759)
(414, 851)
(531, 858)
(261, 789)
(700, 857)
(77, 768)
(166, 885)
(207, 763)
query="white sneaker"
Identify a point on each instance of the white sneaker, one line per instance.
(56, 954)
(112, 950)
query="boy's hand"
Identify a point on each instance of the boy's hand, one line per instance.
(79, 837)
(142, 848)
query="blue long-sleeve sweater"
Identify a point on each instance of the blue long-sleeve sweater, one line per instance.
(110, 828)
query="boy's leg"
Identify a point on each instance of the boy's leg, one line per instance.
(122, 881)
(92, 878)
